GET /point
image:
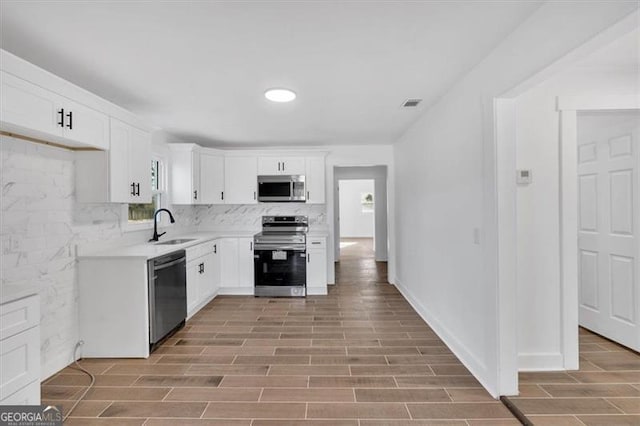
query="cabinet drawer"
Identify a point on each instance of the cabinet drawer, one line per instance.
(28, 395)
(316, 243)
(19, 315)
(195, 252)
(19, 361)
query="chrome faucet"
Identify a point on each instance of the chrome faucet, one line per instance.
(157, 236)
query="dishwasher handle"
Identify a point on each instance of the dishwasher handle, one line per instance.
(169, 264)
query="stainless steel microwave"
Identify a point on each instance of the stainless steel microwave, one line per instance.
(281, 188)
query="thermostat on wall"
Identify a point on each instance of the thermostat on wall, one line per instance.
(524, 177)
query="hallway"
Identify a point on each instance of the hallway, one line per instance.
(360, 356)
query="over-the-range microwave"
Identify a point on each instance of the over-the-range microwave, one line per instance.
(281, 188)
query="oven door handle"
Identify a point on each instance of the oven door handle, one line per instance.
(279, 248)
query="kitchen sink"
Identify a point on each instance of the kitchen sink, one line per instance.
(176, 241)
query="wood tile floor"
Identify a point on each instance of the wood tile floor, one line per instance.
(360, 356)
(604, 392)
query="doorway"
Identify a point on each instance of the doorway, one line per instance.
(356, 218)
(360, 210)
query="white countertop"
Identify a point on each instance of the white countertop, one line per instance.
(10, 292)
(150, 250)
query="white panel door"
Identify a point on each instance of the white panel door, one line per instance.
(608, 216)
(269, 166)
(28, 106)
(293, 166)
(207, 281)
(193, 285)
(211, 178)
(86, 125)
(240, 180)
(315, 180)
(140, 163)
(245, 262)
(228, 248)
(121, 185)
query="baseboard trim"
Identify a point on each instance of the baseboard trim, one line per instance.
(317, 291)
(546, 361)
(475, 366)
(56, 364)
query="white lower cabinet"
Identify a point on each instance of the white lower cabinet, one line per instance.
(237, 265)
(203, 275)
(20, 351)
(316, 265)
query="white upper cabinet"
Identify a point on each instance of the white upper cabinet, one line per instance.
(120, 175)
(281, 166)
(197, 175)
(315, 180)
(185, 174)
(211, 178)
(240, 180)
(31, 110)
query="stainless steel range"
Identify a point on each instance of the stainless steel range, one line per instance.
(280, 257)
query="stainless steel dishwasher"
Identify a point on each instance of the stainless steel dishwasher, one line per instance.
(167, 295)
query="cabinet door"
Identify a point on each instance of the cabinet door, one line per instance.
(240, 180)
(216, 269)
(196, 193)
(207, 283)
(293, 166)
(228, 248)
(28, 106)
(269, 166)
(316, 268)
(140, 164)
(211, 179)
(120, 182)
(85, 125)
(245, 262)
(182, 174)
(19, 361)
(315, 180)
(193, 284)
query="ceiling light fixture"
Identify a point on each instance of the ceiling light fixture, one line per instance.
(280, 95)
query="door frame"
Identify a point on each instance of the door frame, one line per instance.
(380, 175)
(568, 107)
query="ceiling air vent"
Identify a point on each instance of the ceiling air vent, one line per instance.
(411, 103)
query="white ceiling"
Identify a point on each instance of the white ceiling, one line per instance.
(199, 69)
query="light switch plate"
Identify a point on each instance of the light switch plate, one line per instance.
(523, 177)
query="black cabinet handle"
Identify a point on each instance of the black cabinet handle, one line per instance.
(61, 122)
(278, 166)
(308, 257)
(133, 189)
(70, 117)
(195, 195)
(222, 195)
(138, 189)
(251, 246)
(215, 248)
(283, 166)
(254, 195)
(307, 195)
(201, 268)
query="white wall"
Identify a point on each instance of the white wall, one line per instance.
(354, 222)
(538, 208)
(445, 188)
